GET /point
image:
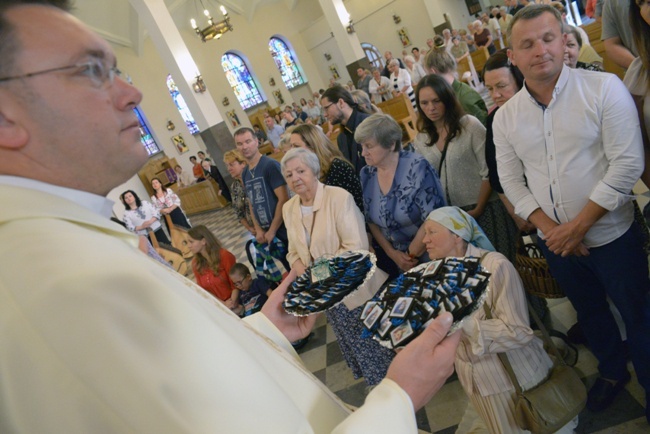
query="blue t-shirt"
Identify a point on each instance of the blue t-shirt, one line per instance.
(260, 183)
(255, 297)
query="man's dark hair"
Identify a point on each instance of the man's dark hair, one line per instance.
(334, 93)
(240, 269)
(244, 130)
(9, 45)
(193, 158)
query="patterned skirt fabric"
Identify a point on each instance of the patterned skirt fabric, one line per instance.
(365, 357)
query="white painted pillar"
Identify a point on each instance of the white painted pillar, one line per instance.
(338, 17)
(172, 49)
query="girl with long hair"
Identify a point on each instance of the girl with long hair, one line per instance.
(211, 266)
(168, 202)
(141, 217)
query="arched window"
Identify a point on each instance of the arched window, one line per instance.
(146, 138)
(241, 80)
(284, 61)
(373, 55)
(181, 105)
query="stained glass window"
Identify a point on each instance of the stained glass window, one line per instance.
(241, 80)
(182, 106)
(285, 63)
(146, 138)
(373, 55)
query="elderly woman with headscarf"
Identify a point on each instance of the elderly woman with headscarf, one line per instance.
(450, 231)
(399, 190)
(324, 220)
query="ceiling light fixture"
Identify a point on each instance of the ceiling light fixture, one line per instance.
(214, 30)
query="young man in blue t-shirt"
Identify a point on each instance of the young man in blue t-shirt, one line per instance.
(266, 189)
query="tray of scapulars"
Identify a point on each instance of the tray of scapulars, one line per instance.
(328, 282)
(405, 306)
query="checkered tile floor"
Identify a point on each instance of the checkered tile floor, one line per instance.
(322, 356)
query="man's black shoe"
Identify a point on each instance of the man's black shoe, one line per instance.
(603, 392)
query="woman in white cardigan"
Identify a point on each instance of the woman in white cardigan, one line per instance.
(401, 80)
(324, 220)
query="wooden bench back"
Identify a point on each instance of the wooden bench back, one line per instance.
(400, 109)
(479, 57)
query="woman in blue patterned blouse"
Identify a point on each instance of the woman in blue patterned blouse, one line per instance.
(400, 189)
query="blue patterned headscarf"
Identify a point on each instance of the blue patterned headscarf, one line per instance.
(461, 224)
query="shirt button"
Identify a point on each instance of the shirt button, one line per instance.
(549, 134)
(554, 182)
(550, 157)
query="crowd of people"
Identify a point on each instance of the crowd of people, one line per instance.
(173, 357)
(454, 167)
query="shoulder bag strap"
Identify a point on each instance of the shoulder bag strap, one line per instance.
(502, 356)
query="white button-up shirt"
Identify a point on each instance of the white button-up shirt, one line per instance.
(586, 145)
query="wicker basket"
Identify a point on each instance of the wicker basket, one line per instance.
(534, 272)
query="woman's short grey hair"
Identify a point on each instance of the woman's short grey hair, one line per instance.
(409, 58)
(394, 62)
(381, 128)
(307, 157)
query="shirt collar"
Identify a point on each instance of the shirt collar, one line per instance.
(95, 203)
(560, 84)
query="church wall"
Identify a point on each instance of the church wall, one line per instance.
(308, 34)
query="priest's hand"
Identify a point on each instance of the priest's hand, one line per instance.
(422, 367)
(292, 327)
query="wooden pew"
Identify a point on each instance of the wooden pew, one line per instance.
(593, 31)
(400, 109)
(479, 57)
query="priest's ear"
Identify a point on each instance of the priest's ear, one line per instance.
(12, 134)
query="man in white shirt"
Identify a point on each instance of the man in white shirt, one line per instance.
(569, 152)
(95, 336)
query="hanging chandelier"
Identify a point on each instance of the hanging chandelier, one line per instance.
(214, 30)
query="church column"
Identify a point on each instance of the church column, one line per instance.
(172, 49)
(436, 12)
(338, 19)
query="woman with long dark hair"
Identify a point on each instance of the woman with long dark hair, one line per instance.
(140, 217)
(168, 202)
(454, 143)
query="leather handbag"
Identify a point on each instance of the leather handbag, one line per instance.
(554, 402)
